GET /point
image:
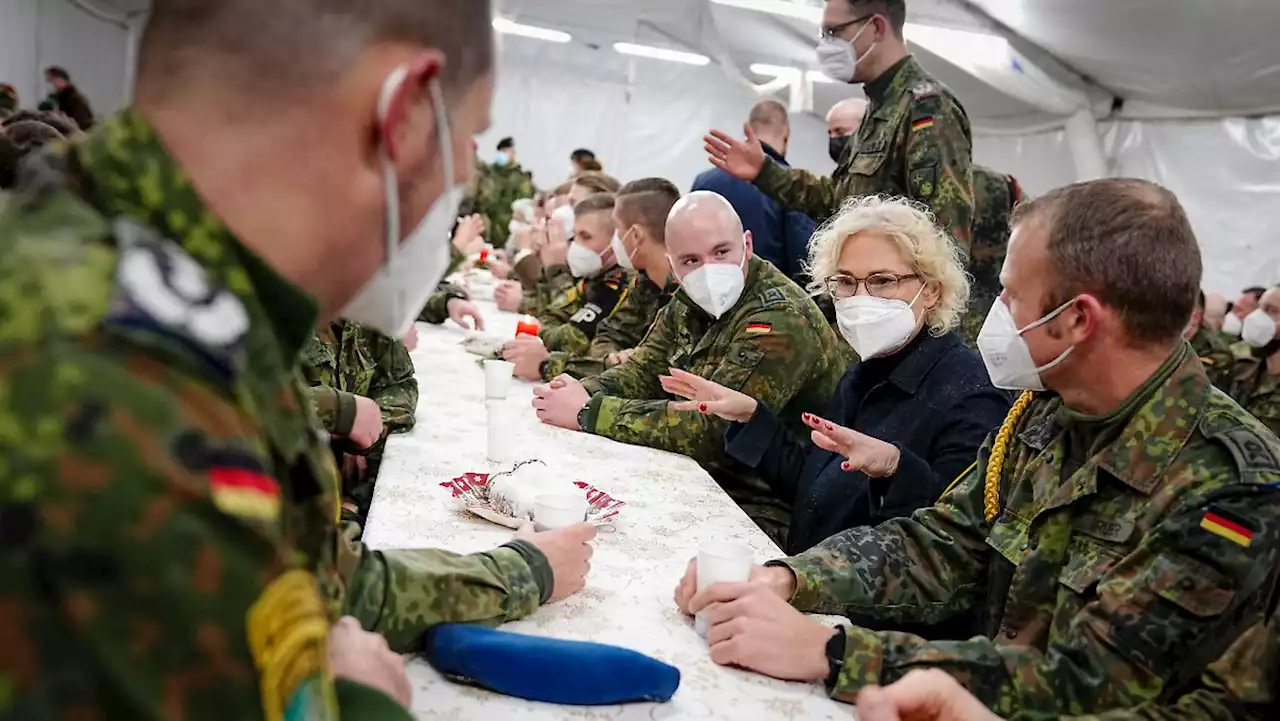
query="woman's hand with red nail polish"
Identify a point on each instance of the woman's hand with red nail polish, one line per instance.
(869, 455)
(707, 397)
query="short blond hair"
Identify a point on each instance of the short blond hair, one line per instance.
(930, 251)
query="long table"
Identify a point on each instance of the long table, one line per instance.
(672, 507)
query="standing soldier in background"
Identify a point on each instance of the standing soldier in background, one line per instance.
(914, 141)
(362, 390)
(843, 120)
(1256, 381)
(169, 513)
(994, 197)
(494, 189)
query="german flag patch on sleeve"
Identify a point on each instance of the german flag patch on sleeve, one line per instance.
(759, 328)
(1226, 528)
(922, 124)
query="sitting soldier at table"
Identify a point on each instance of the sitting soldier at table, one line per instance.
(543, 268)
(450, 302)
(736, 320)
(1256, 378)
(1212, 347)
(909, 417)
(569, 323)
(640, 220)
(1114, 532)
(362, 389)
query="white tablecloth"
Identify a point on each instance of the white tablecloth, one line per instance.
(672, 507)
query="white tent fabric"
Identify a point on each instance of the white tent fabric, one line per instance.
(1183, 92)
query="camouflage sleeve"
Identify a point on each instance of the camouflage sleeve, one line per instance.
(577, 366)
(799, 190)
(129, 581)
(1153, 608)
(394, 387)
(600, 299)
(401, 593)
(436, 311)
(638, 377)
(770, 367)
(939, 165)
(336, 409)
(527, 268)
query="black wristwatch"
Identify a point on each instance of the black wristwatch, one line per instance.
(583, 416)
(835, 656)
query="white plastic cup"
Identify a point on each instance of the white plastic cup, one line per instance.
(497, 379)
(558, 510)
(498, 436)
(721, 562)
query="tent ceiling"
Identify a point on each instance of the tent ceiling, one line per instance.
(1216, 57)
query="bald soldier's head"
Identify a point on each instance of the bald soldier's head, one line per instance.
(319, 130)
(702, 229)
(843, 121)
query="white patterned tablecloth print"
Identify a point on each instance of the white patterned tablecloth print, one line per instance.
(672, 507)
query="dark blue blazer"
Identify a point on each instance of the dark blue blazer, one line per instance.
(933, 400)
(778, 235)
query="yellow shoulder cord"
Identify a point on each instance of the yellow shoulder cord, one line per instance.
(999, 449)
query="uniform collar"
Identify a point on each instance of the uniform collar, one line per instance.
(894, 80)
(778, 158)
(127, 171)
(1155, 432)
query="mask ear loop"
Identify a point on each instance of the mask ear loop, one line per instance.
(391, 108)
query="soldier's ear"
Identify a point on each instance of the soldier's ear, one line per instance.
(746, 242)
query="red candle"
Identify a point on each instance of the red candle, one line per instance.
(484, 256)
(528, 325)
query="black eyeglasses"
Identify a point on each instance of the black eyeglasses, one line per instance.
(879, 285)
(832, 31)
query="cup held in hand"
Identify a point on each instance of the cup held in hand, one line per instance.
(558, 510)
(721, 562)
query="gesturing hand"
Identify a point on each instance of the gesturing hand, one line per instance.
(468, 237)
(742, 159)
(863, 453)
(465, 313)
(555, 251)
(708, 397)
(922, 695)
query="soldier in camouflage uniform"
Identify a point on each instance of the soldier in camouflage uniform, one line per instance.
(492, 191)
(1212, 348)
(914, 142)
(994, 197)
(1256, 376)
(640, 219)
(1109, 549)
(771, 343)
(343, 363)
(168, 509)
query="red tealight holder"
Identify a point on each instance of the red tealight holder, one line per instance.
(484, 256)
(528, 325)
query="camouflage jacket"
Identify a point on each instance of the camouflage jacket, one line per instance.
(623, 330)
(1215, 353)
(1257, 391)
(168, 507)
(344, 360)
(774, 345)
(994, 197)
(1097, 584)
(436, 311)
(569, 323)
(914, 142)
(492, 190)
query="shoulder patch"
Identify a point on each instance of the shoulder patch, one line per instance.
(163, 291)
(924, 89)
(1247, 446)
(772, 297)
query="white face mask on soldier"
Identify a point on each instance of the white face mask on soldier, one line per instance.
(1232, 325)
(392, 299)
(716, 287)
(876, 326)
(1258, 329)
(583, 262)
(1006, 354)
(620, 252)
(838, 58)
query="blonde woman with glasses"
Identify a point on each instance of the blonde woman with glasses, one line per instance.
(909, 417)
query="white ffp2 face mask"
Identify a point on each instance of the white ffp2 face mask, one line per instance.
(1258, 329)
(876, 326)
(583, 262)
(392, 299)
(1006, 354)
(1232, 325)
(715, 287)
(838, 59)
(564, 216)
(620, 252)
